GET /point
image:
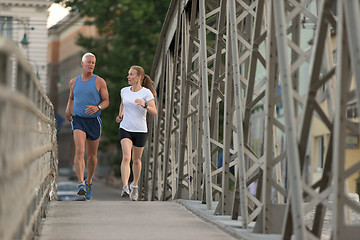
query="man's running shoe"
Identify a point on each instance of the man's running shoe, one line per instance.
(134, 192)
(81, 189)
(125, 191)
(88, 194)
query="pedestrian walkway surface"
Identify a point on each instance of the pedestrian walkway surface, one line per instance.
(126, 220)
(224, 222)
(108, 216)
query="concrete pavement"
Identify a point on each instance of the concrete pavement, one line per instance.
(108, 216)
(125, 220)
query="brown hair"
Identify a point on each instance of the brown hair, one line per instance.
(145, 79)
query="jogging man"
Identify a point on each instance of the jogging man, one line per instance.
(88, 96)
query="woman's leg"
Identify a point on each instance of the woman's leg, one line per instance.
(136, 167)
(126, 145)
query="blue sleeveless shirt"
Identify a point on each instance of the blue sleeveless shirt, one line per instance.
(85, 94)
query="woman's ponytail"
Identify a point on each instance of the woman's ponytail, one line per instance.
(148, 83)
(146, 80)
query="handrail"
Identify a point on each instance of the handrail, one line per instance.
(28, 148)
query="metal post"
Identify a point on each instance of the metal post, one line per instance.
(238, 113)
(205, 110)
(351, 9)
(293, 151)
(347, 56)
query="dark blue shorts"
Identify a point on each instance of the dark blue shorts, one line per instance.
(138, 138)
(91, 126)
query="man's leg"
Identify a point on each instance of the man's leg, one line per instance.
(91, 150)
(79, 162)
(91, 153)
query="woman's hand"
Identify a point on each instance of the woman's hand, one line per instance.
(140, 102)
(119, 118)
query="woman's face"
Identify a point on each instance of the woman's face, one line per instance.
(133, 77)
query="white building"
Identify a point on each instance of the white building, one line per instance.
(25, 22)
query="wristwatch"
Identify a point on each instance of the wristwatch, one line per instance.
(99, 106)
(145, 106)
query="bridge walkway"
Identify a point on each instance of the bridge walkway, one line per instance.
(109, 216)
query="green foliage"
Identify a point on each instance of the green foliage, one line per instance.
(129, 30)
(357, 182)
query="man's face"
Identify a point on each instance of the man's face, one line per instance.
(89, 64)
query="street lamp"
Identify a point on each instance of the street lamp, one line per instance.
(25, 41)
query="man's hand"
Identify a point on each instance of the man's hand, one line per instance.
(68, 115)
(91, 109)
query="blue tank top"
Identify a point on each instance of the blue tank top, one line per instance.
(85, 94)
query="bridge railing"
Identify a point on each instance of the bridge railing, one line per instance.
(28, 148)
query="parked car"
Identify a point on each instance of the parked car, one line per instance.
(67, 173)
(67, 191)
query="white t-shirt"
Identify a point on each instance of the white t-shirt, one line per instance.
(134, 118)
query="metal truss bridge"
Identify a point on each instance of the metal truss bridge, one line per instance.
(243, 87)
(222, 67)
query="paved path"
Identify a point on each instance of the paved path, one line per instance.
(108, 216)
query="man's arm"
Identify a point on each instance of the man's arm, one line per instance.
(70, 103)
(102, 88)
(104, 94)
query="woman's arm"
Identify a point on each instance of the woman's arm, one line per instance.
(149, 105)
(121, 113)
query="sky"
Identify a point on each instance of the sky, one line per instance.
(56, 13)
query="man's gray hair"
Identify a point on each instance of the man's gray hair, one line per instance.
(85, 55)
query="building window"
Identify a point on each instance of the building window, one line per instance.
(320, 152)
(352, 113)
(6, 26)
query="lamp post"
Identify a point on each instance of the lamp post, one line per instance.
(25, 41)
(6, 30)
(36, 66)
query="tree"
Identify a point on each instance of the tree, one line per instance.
(129, 31)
